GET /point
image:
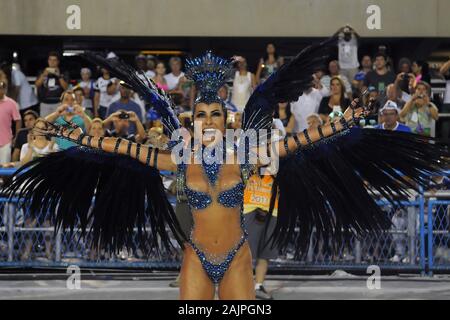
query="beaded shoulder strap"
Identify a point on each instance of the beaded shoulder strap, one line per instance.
(181, 180)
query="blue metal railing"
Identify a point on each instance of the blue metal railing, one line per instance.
(420, 240)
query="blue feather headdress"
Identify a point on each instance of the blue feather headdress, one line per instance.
(209, 72)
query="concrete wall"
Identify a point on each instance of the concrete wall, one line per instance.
(297, 18)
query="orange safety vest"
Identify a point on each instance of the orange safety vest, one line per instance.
(257, 194)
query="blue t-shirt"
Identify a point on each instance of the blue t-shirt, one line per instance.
(130, 106)
(65, 144)
(400, 127)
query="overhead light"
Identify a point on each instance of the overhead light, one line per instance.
(15, 55)
(71, 53)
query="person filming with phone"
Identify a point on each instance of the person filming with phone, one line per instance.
(419, 112)
(50, 84)
(69, 111)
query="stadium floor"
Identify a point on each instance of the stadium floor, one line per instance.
(149, 286)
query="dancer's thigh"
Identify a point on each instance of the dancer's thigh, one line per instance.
(238, 284)
(194, 282)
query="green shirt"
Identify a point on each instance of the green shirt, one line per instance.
(419, 120)
(64, 144)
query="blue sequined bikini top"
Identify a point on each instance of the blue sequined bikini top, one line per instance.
(198, 200)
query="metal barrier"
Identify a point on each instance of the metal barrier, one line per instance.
(417, 242)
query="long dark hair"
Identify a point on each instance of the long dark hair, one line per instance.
(342, 99)
(275, 54)
(425, 70)
(276, 114)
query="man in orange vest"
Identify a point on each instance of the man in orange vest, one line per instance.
(257, 196)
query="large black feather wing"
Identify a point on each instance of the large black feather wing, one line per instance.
(145, 87)
(329, 188)
(126, 197)
(285, 85)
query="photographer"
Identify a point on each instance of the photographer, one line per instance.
(69, 111)
(121, 120)
(348, 51)
(50, 84)
(126, 104)
(419, 112)
(405, 82)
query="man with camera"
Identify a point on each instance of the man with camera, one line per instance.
(50, 84)
(419, 112)
(125, 103)
(348, 51)
(122, 120)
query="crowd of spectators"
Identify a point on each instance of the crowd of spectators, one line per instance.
(401, 97)
(102, 106)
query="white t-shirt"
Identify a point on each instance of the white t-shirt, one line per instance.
(150, 74)
(278, 124)
(307, 104)
(106, 99)
(87, 102)
(37, 152)
(26, 97)
(172, 80)
(242, 90)
(348, 53)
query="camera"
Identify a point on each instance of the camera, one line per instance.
(124, 115)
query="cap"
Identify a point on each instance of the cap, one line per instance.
(359, 76)
(390, 105)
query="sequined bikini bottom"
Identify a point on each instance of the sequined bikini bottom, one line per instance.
(215, 265)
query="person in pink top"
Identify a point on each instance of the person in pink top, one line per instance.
(9, 112)
(159, 76)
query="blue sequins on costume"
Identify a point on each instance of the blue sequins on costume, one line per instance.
(215, 265)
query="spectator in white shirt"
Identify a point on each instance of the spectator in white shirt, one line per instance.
(307, 104)
(89, 88)
(106, 93)
(243, 84)
(348, 51)
(22, 91)
(174, 76)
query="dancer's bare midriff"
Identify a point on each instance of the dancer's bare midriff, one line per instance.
(217, 229)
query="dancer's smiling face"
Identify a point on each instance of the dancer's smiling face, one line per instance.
(211, 117)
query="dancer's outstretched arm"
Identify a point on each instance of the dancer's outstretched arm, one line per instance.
(311, 136)
(160, 159)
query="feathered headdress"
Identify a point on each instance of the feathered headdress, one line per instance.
(209, 72)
